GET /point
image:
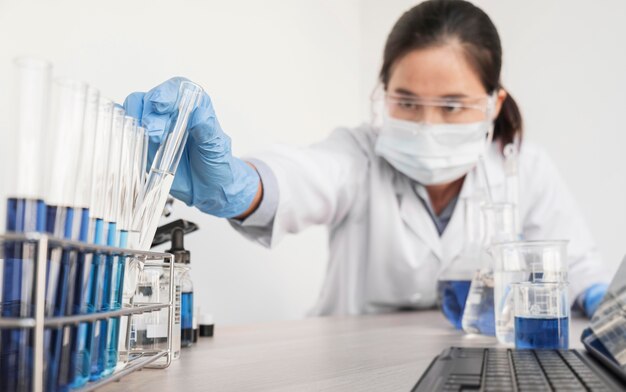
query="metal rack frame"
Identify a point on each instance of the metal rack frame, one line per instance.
(39, 321)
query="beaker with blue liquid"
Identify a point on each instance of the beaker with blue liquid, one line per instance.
(498, 223)
(523, 261)
(454, 281)
(541, 315)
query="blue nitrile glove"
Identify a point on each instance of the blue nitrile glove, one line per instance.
(592, 297)
(208, 176)
(453, 299)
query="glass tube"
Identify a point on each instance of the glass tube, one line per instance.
(63, 220)
(113, 167)
(79, 353)
(31, 117)
(123, 221)
(132, 265)
(64, 141)
(140, 173)
(99, 355)
(127, 170)
(101, 159)
(98, 197)
(164, 166)
(25, 211)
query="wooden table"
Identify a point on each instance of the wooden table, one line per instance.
(366, 353)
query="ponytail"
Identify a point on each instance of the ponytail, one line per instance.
(508, 125)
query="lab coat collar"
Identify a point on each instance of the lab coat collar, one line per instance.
(414, 214)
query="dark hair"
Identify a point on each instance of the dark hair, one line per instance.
(436, 22)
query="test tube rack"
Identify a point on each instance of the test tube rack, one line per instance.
(39, 322)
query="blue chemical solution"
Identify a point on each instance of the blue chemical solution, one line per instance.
(62, 222)
(452, 295)
(186, 322)
(16, 351)
(80, 345)
(98, 370)
(94, 302)
(117, 289)
(541, 333)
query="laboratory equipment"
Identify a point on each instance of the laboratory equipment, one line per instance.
(182, 257)
(541, 315)
(80, 336)
(499, 226)
(511, 182)
(161, 176)
(454, 281)
(208, 176)
(76, 357)
(37, 323)
(132, 265)
(123, 219)
(63, 219)
(98, 208)
(523, 261)
(207, 325)
(111, 205)
(25, 212)
(156, 330)
(194, 322)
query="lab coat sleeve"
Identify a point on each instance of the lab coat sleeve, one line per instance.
(552, 213)
(305, 186)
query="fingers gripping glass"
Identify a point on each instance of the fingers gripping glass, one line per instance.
(452, 110)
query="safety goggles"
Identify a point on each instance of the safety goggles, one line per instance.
(450, 110)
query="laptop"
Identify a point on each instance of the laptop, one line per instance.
(600, 367)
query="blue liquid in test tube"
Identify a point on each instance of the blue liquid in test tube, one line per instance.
(90, 182)
(26, 212)
(99, 357)
(64, 220)
(124, 205)
(16, 344)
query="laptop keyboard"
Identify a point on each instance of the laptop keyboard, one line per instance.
(521, 370)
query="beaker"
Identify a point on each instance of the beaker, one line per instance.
(499, 226)
(454, 281)
(523, 261)
(541, 315)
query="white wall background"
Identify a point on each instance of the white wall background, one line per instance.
(290, 71)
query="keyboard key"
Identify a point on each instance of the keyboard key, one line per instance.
(468, 366)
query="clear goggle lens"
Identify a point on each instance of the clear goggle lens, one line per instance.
(454, 110)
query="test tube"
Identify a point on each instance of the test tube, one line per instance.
(25, 211)
(164, 166)
(133, 265)
(63, 219)
(111, 205)
(98, 204)
(123, 221)
(77, 372)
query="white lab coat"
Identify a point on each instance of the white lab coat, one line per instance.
(385, 252)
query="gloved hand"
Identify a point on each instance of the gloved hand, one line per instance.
(592, 297)
(208, 176)
(453, 298)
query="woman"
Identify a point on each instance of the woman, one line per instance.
(389, 195)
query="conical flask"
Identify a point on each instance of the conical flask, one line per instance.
(454, 281)
(499, 226)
